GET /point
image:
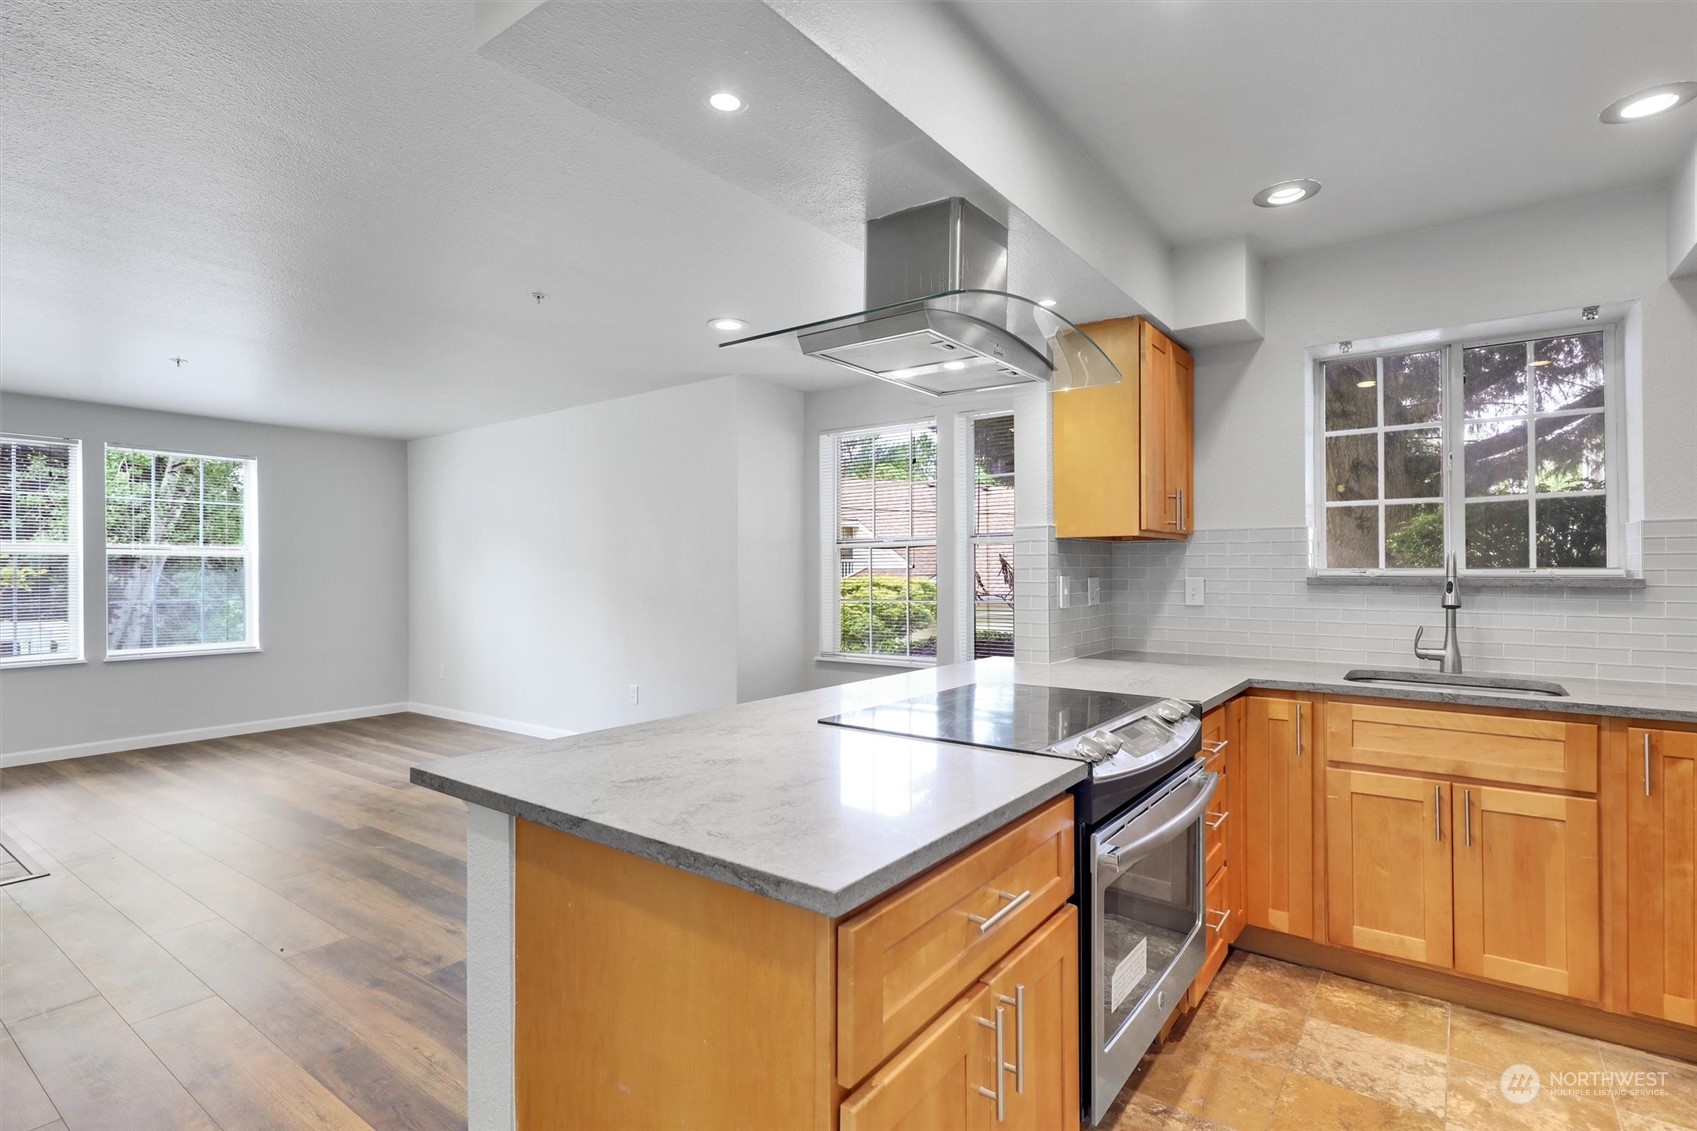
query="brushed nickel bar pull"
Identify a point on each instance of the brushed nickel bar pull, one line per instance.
(1467, 814)
(1218, 819)
(1646, 763)
(990, 924)
(1438, 812)
(999, 1095)
(1224, 915)
(1216, 747)
(1177, 521)
(1299, 730)
(1018, 1065)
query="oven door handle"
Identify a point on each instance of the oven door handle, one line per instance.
(1117, 853)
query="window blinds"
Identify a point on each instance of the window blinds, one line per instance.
(39, 596)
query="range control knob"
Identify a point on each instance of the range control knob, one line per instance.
(1171, 710)
(1099, 745)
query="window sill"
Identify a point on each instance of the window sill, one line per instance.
(64, 661)
(1508, 581)
(872, 661)
(181, 653)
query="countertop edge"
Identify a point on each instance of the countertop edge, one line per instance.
(821, 901)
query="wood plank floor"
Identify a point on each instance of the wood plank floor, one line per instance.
(263, 931)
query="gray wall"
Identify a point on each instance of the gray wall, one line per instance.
(332, 590)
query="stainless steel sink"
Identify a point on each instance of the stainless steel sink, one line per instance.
(1423, 678)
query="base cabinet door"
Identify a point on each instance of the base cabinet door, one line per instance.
(1037, 986)
(1526, 889)
(1278, 827)
(937, 1082)
(1661, 878)
(1388, 865)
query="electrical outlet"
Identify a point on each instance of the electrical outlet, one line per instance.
(635, 694)
(441, 671)
(1193, 590)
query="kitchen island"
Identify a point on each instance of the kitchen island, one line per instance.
(753, 827)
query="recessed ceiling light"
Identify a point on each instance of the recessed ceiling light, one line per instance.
(1287, 192)
(1649, 103)
(726, 102)
(1045, 302)
(727, 324)
(954, 365)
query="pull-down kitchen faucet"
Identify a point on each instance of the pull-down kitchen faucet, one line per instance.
(1448, 656)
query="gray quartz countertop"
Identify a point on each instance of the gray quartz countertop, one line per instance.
(764, 797)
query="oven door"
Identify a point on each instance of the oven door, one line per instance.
(1146, 927)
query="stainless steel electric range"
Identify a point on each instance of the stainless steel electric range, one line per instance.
(1139, 874)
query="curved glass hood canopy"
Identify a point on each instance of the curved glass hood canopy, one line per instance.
(939, 320)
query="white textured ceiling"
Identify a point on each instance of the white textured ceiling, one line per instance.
(335, 212)
(1411, 114)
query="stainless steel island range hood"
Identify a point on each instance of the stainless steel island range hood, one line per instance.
(939, 318)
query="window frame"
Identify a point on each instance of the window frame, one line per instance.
(72, 549)
(248, 551)
(830, 626)
(1452, 438)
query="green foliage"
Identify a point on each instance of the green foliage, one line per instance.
(1417, 543)
(887, 615)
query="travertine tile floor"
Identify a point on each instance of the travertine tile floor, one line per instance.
(1276, 1047)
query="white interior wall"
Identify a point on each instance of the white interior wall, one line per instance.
(770, 548)
(332, 593)
(557, 560)
(1250, 448)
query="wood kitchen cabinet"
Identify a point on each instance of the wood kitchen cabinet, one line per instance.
(1037, 985)
(1222, 899)
(1388, 865)
(936, 1081)
(1661, 873)
(1123, 454)
(947, 1077)
(1527, 900)
(1278, 825)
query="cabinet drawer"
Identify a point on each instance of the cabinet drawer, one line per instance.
(1517, 749)
(1219, 810)
(1216, 928)
(903, 960)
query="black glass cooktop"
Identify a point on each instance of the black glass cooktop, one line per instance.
(1002, 716)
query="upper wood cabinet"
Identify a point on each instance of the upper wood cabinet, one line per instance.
(1123, 453)
(1661, 873)
(1278, 827)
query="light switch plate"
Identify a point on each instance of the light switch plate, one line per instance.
(1193, 590)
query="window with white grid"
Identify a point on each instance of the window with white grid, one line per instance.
(180, 553)
(40, 566)
(880, 496)
(1495, 451)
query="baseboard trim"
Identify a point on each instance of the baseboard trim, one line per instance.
(170, 738)
(514, 726)
(1650, 1034)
